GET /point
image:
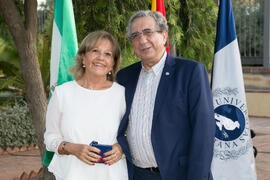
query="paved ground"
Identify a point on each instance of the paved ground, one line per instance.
(14, 165)
(261, 141)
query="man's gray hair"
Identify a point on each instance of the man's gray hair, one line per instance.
(161, 22)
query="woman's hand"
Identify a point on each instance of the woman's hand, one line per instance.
(114, 155)
(83, 152)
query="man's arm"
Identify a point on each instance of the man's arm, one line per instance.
(201, 114)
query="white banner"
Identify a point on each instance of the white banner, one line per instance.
(233, 152)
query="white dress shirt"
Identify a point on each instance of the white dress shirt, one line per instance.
(141, 115)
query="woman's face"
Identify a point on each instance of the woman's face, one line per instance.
(99, 60)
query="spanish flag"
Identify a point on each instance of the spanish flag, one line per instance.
(158, 5)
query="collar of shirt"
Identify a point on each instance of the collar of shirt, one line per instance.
(157, 68)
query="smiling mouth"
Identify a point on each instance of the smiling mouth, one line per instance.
(145, 49)
(99, 65)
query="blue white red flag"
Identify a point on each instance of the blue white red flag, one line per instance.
(233, 150)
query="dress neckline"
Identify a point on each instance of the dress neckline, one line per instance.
(93, 90)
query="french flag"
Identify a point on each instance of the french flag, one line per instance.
(233, 150)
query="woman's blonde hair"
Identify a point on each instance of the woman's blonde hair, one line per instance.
(89, 43)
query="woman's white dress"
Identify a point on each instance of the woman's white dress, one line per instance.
(80, 115)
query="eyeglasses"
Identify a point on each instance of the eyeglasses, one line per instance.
(146, 32)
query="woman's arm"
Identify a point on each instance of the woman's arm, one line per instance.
(83, 152)
(52, 135)
(53, 138)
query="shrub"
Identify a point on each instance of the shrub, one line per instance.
(16, 127)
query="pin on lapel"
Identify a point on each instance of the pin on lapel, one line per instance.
(167, 73)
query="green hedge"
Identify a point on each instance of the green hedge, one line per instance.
(16, 127)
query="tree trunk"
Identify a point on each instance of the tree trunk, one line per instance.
(172, 49)
(24, 35)
(35, 94)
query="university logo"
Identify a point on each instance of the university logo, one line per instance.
(232, 129)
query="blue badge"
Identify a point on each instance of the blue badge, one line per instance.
(230, 122)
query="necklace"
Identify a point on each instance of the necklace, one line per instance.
(86, 85)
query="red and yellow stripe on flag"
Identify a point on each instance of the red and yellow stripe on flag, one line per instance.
(158, 5)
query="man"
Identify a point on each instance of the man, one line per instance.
(169, 128)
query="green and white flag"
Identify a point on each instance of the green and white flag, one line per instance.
(64, 48)
(64, 42)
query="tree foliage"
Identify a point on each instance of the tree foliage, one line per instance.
(191, 24)
(16, 127)
(198, 20)
(11, 81)
(108, 15)
(113, 16)
(44, 50)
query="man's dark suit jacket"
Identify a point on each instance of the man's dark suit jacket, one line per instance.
(183, 127)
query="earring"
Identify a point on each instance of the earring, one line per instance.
(83, 65)
(110, 73)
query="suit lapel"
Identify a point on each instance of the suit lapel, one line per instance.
(165, 81)
(131, 85)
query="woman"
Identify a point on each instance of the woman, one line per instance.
(88, 109)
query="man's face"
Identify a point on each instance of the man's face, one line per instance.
(148, 42)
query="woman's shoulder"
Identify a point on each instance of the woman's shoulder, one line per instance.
(118, 89)
(118, 86)
(65, 86)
